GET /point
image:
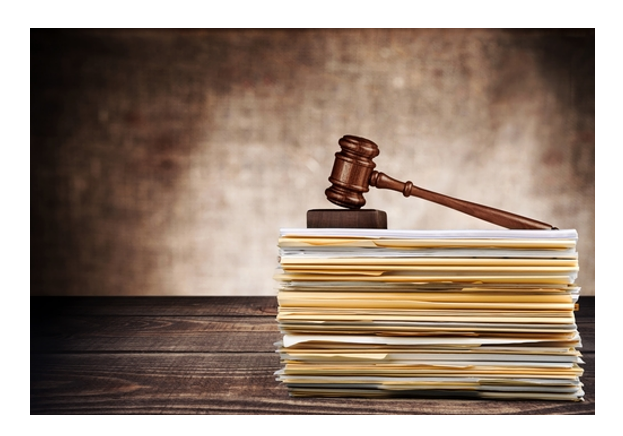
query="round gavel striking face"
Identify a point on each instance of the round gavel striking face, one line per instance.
(350, 177)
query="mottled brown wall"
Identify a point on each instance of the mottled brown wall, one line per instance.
(164, 162)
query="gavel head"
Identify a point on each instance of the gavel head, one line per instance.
(350, 177)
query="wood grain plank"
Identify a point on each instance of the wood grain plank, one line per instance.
(586, 307)
(155, 334)
(587, 333)
(224, 384)
(153, 306)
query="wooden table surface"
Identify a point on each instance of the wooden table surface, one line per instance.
(207, 355)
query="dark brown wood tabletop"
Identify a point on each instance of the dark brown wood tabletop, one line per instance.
(208, 355)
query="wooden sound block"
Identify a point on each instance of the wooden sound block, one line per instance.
(344, 218)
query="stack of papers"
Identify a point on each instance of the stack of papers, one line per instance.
(380, 313)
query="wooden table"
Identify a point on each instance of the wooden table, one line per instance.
(206, 355)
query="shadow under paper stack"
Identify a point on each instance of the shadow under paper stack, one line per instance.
(379, 313)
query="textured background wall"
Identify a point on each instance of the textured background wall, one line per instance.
(164, 162)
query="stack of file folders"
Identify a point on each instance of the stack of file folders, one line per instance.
(456, 313)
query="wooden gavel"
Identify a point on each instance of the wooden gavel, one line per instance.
(353, 173)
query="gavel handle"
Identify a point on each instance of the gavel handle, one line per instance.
(486, 213)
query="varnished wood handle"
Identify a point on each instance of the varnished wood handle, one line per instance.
(486, 213)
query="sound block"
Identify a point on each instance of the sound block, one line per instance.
(346, 219)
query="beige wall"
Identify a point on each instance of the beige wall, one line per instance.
(165, 162)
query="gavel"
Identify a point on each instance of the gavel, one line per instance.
(353, 173)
